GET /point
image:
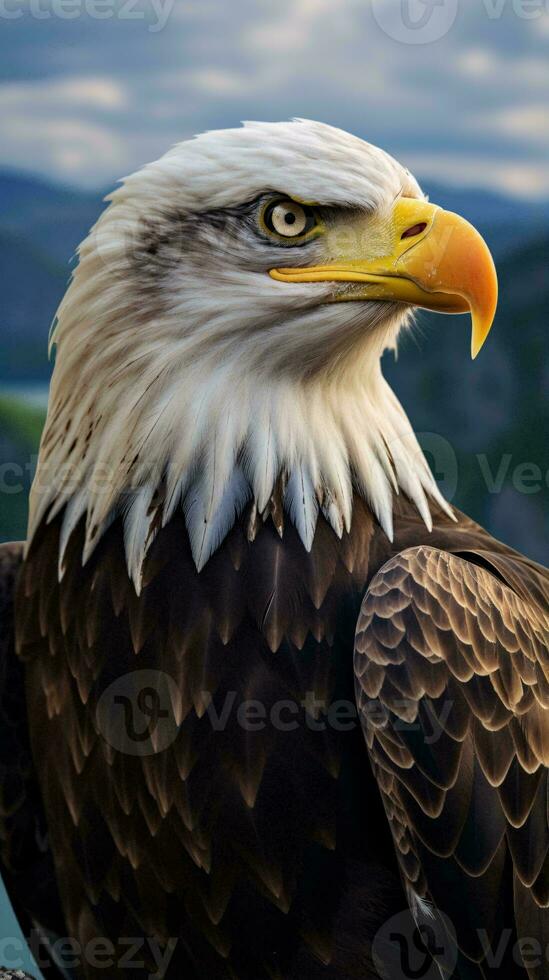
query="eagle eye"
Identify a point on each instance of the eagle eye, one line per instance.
(287, 219)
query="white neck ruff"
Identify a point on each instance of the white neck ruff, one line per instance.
(215, 442)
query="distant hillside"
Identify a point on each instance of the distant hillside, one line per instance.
(55, 219)
(493, 413)
(32, 286)
(20, 429)
(40, 228)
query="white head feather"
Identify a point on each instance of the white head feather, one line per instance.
(186, 377)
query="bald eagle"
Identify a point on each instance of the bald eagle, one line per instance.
(267, 698)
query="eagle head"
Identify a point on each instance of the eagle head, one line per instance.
(222, 336)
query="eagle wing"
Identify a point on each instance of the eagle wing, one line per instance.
(452, 681)
(26, 863)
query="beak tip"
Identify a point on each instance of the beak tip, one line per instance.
(481, 327)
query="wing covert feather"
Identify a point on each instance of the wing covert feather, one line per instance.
(452, 672)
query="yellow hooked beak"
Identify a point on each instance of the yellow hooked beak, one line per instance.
(417, 254)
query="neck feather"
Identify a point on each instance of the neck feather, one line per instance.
(214, 443)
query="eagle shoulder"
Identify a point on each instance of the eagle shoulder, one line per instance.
(452, 670)
(26, 863)
(14, 756)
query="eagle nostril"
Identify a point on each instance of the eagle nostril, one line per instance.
(414, 230)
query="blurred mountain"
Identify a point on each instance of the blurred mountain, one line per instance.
(484, 425)
(32, 286)
(55, 219)
(20, 429)
(40, 227)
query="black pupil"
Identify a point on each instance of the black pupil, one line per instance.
(289, 218)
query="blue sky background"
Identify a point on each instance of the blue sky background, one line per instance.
(86, 100)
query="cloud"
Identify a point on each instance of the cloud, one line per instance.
(64, 123)
(218, 82)
(91, 100)
(67, 149)
(541, 26)
(522, 179)
(290, 27)
(527, 122)
(56, 95)
(477, 62)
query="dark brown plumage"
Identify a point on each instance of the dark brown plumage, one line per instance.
(25, 858)
(451, 663)
(268, 853)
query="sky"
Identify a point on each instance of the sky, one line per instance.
(456, 89)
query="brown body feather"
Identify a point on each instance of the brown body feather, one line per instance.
(452, 666)
(264, 853)
(26, 861)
